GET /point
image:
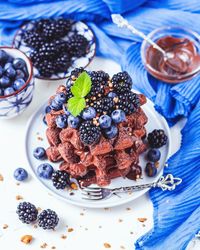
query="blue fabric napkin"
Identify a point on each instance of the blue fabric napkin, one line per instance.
(176, 213)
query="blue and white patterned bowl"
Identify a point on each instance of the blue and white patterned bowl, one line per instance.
(15, 103)
(78, 27)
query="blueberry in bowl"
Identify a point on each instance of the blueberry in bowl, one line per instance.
(56, 46)
(16, 82)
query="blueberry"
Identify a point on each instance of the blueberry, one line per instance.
(88, 113)
(10, 72)
(61, 121)
(45, 171)
(105, 121)
(1, 92)
(73, 122)
(1, 71)
(150, 169)
(118, 116)
(20, 174)
(20, 74)
(60, 98)
(3, 56)
(18, 84)
(66, 110)
(153, 155)
(111, 132)
(112, 94)
(4, 82)
(19, 63)
(39, 153)
(8, 91)
(47, 109)
(55, 106)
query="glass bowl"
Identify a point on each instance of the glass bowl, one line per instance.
(176, 32)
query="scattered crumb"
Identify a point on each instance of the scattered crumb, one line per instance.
(63, 236)
(107, 245)
(35, 226)
(122, 247)
(39, 209)
(82, 214)
(130, 193)
(120, 220)
(142, 219)
(131, 232)
(71, 193)
(86, 229)
(44, 245)
(128, 208)
(5, 226)
(100, 226)
(74, 186)
(157, 164)
(70, 230)
(40, 138)
(143, 225)
(1, 177)
(26, 239)
(19, 197)
(18, 184)
(53, 247)
(106, 208)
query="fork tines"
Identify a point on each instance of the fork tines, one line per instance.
(92, 193)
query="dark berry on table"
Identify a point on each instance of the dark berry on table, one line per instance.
(153, 155)
(3, 56)
(27, 212)
(112, 94)
(62, 63)
(157, 138)
(77, 45)
(118, 116)
(111, 132)
(39, 153)
(88, 113)
(47, 109)
(122, 82)
(10, 72)
(18, 84)
(60, 179)
(9, 91)
(60, 98)
(5, 82)
(150, 169)
(45, 171)
(61, 121)
(55, 106)
(89, 133)
(48, 219)
(19, 63)
(20, 174)
(73, 122)
(105, 121)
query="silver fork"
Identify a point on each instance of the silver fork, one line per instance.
(97, 193)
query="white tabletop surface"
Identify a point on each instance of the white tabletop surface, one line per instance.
(92, 228)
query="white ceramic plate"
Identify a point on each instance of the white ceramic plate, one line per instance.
(78, 27)
(36, 128)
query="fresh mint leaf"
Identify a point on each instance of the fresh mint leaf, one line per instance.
(75, 105)
(82, 85)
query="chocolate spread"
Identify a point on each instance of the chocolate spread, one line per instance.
(185, 58)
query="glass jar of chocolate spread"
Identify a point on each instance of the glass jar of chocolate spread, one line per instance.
(184, 47)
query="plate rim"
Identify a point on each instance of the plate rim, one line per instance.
(96, 205)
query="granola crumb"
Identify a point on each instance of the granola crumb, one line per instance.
(157, 164)
(19, 197)
(40, 138)
(143, 225)
(82, 214)
(63, 236)
(35, 226)
(18, 184)
(39, 209)
(1, 177)
(131, 232)
(120, 220)
(106, 208)
(44, 245)
(5, 226)
(100, 226)
(86, 229)
(74, 186)
(70, 230)
(142, 219)
(107, 245)
(128, 208)
(53, 247)
(122, 247)
(26, 239)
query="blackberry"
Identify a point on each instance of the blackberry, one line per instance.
(41, 24)
(48, 51)
(75, 73)
(122, 82)
(62, 63)
(46, 68)
(61, 46)
(48, 219)
(157, 138)
(125, 104)
(104, 105)
(33, 39)
(63, 26)
(27, 212)
(89, 133)
(77, 45)
(60, 179)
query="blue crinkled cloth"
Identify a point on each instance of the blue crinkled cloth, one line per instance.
(176, 213)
